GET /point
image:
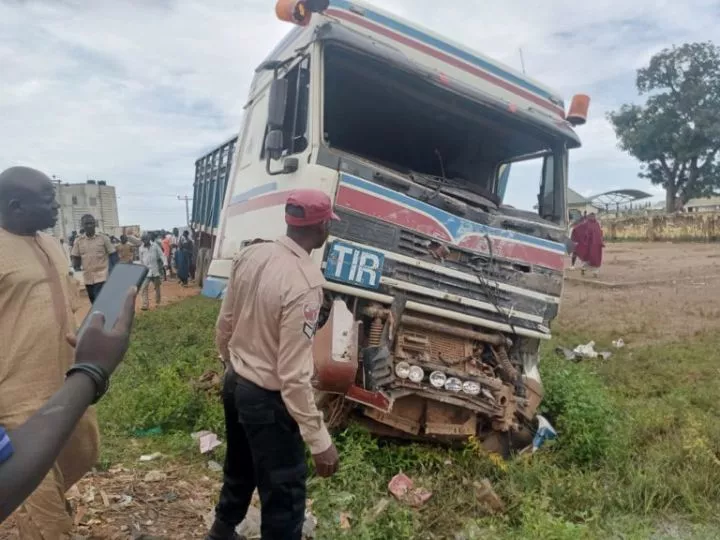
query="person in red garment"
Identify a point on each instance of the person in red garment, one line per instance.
(591, 244)
(576, 236)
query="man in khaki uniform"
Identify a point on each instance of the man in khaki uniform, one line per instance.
(95, 254)
(126, 248)
(37, 301)
(264, 334)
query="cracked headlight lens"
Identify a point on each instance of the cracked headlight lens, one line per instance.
(453, 384)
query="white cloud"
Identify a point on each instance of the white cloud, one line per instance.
(132, 92)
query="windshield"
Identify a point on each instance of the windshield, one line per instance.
(433, 135)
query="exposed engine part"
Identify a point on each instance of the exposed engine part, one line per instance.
(377, 367)
(418, 322)
(506, 367)
(511, 373)
(376, 329)
(392, 318)
(533, 396)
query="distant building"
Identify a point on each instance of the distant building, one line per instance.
(92, 197)
(705, 204)
(578, 205)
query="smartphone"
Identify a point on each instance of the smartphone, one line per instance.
(111, 300)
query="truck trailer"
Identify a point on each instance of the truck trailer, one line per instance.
(438, 294)
(212, 174)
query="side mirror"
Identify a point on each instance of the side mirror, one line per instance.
(276, 103)
(290, 165)
(274, 144)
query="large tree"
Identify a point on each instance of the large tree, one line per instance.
(676, 133)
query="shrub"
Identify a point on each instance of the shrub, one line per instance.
(582, 410)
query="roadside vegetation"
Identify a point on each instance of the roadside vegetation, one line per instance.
(637, 454)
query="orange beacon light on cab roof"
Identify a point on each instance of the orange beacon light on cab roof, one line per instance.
(299, 11)
(579, 106)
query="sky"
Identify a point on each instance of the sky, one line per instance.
(134, 91)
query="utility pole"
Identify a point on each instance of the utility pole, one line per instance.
(522, 60)
(187, 207)
(61, 202)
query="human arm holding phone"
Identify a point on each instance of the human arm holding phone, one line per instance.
(35, 445)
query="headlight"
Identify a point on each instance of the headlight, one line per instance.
(416, 374)
(437, 379)
(453, 384)
(402, 370)
(471, 387)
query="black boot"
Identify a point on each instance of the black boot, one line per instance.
(223, 531)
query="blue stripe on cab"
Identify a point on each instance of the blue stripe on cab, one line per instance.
(446, 48)
(254, 192)
(457, 226)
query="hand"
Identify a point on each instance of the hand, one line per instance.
(326, 463)
(107, 349)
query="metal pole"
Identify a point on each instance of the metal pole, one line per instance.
(187, 207)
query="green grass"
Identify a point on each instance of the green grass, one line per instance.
(638, 452)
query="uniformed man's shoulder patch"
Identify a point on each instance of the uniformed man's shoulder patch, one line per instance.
(311, 311)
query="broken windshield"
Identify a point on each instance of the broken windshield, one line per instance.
(433, 136)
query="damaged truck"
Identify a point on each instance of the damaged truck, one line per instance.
(438, 295)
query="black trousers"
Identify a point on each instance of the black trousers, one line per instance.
(94, 290)
(264, 450)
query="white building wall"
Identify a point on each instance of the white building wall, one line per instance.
(76, 200)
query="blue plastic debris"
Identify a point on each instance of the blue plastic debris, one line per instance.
(545, 432)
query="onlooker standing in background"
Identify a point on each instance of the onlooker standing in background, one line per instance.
(591, 246)
(184, 258)
(126, 249)
(151, 256)
(95, 255)
(174, 241)
(166, 252)
(577, 235)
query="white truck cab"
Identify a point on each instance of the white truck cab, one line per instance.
(444, 291)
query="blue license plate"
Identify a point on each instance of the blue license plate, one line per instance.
(355, 266)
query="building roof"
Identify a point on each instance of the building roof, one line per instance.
(703, 201)
(573, 197)
(619, 196)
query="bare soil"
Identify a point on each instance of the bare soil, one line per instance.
(171, 292)
(646, 293)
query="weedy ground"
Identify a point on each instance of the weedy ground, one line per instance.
(638, 452)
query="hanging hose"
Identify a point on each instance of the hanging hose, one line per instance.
(501, 355)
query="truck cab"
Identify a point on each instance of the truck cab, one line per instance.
(437, 294)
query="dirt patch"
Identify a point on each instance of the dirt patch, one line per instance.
(120, 504)
(656, 292)
(171, 291)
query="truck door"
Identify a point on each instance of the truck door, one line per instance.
(259, 186)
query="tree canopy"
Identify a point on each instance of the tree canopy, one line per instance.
(676, 133)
